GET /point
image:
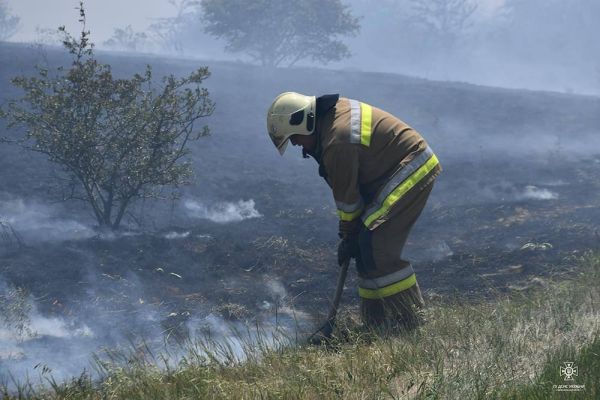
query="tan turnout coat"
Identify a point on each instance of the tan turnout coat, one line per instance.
(373, 162)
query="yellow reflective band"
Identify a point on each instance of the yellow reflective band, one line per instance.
(388, 290)
(402, 189)
(344, 216)
(365, 124)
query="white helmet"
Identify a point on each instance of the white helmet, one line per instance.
(290, 114)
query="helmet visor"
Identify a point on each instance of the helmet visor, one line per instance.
(283, 146)
(280, 141)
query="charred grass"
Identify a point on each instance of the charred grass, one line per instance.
(508, 347)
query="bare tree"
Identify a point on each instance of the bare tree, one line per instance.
(48, 37)
(445, 21)
(167, 32)
(126, 39)
(9, 24)
(117, 139)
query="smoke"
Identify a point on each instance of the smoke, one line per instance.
(535, 44)
(115, 321)
(239, 340)
(534, 193)
(504, 192)
(278, 323)
(439, 250)
(39, 222)
(177, 235)
(29, 340)
(35, 347)
(222, 212)
(276, 289)
(110, 315)
(503, 43)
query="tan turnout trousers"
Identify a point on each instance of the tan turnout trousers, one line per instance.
(381, 256)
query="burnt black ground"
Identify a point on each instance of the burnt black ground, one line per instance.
(517, 203)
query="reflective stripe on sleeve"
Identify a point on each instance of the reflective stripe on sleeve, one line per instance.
(349, 207)
(400, 183)
(354, 121)
(365, 124)
(389, 290)
(361, 115)
(345, 216)
(349, 212)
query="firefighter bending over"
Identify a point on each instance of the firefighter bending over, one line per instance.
(381, 172)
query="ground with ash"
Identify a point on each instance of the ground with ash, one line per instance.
(254, 238)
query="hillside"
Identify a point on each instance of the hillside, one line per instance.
(253, 238)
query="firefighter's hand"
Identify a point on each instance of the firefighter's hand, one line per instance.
(348, 228)
(347, 249)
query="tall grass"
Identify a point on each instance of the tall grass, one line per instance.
(511, 347)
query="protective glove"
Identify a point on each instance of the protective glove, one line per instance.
(348, 248)
(349, 228)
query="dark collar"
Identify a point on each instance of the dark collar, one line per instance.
(324, 104)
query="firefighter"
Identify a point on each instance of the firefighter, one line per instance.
(381, 172)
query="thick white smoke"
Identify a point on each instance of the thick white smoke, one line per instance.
(222, 212)
(32, 343)
(239, 340)
(34, 347)
(535, 193)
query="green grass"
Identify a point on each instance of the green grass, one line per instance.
(511, 347)
(588, 363)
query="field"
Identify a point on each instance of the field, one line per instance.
(252, 242)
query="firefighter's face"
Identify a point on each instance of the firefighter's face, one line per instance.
(307, 142)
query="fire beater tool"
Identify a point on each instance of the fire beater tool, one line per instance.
(325, 331)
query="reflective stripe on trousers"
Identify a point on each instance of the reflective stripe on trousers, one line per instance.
(399, 184)
(387, 285)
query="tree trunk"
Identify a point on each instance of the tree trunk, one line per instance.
(120, 214)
